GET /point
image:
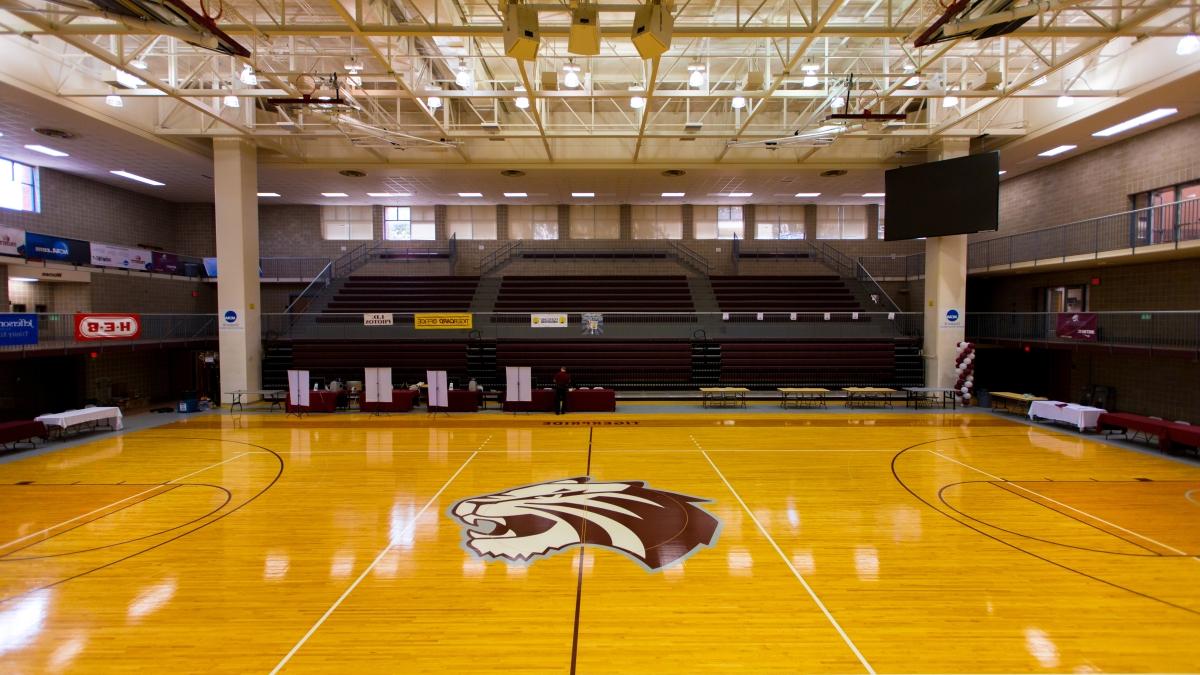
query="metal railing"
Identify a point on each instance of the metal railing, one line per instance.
(1148, 330)
(57, 331)
(876, 292)
(1162, 225)
(692, 259)
(500, 256)
(895, 267)
(292, 268)
(839, 262)
(319, 283)
(614, 325)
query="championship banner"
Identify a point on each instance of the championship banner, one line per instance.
(45, 247)
(547, 320)
(124, 257)
(377, 320)
(18, 329)
(90, 327)
(1076, 326)
(443, 321)
(12, 241)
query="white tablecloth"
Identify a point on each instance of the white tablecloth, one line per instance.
(71, 418)
(1079, 416)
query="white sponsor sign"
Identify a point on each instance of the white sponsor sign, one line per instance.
(11, 240)
(124, 257)
(377, 320)
(548, 320)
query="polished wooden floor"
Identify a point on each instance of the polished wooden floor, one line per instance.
(886, 543)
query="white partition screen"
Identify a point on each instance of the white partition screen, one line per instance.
(519, 379)
(298, 387)
(377, 385)
(438, 398)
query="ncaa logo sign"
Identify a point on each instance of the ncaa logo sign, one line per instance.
(231, 320)
(952, 315)
(231, 317)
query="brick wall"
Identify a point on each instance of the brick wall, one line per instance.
(1145, 385)
(1167, 285)
(195, 230)
(1099, 182)
(4, 286)
(148, 295)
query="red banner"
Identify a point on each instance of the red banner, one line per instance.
(1076, 326)
(89, 327)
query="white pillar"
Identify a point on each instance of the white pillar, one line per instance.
(235, 185)
(945, 292)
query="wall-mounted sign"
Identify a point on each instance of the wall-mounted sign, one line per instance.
(231, 319)
(46, 247)
(377, 319)
(18, 329)
(12, 240)
(593, 323)
(952, 319)
(442, 321)
(1076, 326)
(124, 257)
(89, 327)
(548, 320)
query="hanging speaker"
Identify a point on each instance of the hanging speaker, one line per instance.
(652, 25)
(521, 34)
(584, 38)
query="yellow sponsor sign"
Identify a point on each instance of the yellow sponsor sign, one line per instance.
(442, 321)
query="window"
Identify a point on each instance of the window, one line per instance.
(842, 222)
(344, 223)
(533, 222)
(471, 222)
(718, 222)
(595, 222)
(779, 222)
(408, 223)
(18, 186)
(879, 224)
(658, 222)
(1159, 212)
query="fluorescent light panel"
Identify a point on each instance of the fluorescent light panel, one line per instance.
(334, 194)
(583, 194)
(389, 194)
(1057, 151)
(673, 194)
(268, 194)
(515, 194)
(808, 194)
(24, 280)
(1137, 121)
(740, 194)
(874, 194)
(133, 176)
(470, 194)
(47, 151)
(1003, 172)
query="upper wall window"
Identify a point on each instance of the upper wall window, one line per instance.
(658, 222)
(18, 186)
(779, 222)
(595, 222)
(842, 222)
(342, 223)
(718, 222)
(471, 222)
(533, 222)
(408, 223)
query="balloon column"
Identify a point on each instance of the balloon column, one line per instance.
(964, 364)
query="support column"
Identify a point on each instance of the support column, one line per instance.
(689, 225)
(239, 313)
(810, 222)
(945, 293)
(625, 233)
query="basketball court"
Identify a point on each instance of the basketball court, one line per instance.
(866, 543)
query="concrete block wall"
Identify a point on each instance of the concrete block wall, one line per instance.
(1146, 385)
(1166, 285)
(149, 295)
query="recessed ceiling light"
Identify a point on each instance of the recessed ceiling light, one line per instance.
(583, 194)
(389, 194)
(739, 194)
(133, 176)
(1137, 121)
(334, 194)
(268, 194)
(808, 194)
(515, 194)
(114, 101)
(874, 194)
(1002, 172)
(47, 151)
(673, 194)
(470, 194)
(1057, 150)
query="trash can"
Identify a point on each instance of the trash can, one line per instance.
(189, 402)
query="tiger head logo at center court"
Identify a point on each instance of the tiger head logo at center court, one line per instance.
(654, 527)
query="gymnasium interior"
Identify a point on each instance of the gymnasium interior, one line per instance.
(668, 336)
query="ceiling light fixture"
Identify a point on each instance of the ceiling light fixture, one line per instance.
(1038, 82)
(1057, 150)
(139, 64)
(1064, 101)
(874, 195)
(232, 101)
(1188, 44)
(382, 195)
(114, 101)
(808, 194)
(24, 280)
(571, 75)
(434, 102)
(912, 82)
(740, 194)
(673, 194)
(521, 102)
(470, 194)
(810, 74)
(463, 77)
(268, 194)
(583, 195)
(1147, 118)
(637, 102)
(697, 76)
(515, 195)
(334, 194)
(837, 102)
(47, 151)
(133, 176)
(738, 102)
(1002, 172)
(127, 80)
(248, 76)
(354, 66)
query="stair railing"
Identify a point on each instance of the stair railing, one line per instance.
(689, 257)
(839, 262)
(498, 257)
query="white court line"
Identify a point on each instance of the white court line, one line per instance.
(345, 594)
(811, 593)
(1066, 506)
(119, 501)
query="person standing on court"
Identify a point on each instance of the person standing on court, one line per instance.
(562, 382)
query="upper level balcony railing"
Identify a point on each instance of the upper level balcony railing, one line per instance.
(1151, 331)
(57, 332)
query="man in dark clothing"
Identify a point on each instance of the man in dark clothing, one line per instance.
(562, 382)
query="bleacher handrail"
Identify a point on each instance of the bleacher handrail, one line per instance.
(314, 287)
(499, 256)
(874, 288)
